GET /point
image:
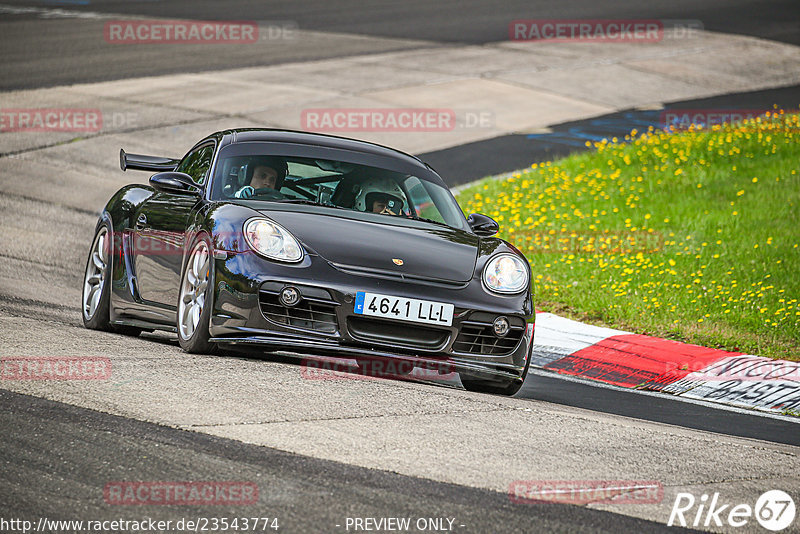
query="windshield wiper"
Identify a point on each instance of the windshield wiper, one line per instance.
(440, 223)
(315, 203)
(309, 202)
(299, 201)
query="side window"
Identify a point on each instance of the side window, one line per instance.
(421, 202)
(197, 163)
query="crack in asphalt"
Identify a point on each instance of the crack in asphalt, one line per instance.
(37, 263)
(720, 481)
(45, 306)
(81, 211)
(29, 150)
(344, 418)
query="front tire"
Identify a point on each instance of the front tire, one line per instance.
(194, 300)
(493, 387)
(506, 387)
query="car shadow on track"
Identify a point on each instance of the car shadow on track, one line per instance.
(326, 368)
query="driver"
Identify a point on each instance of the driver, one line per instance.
(380, 195)
(264, 174)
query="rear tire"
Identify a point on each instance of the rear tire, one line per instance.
(194, 299)
(95, 297)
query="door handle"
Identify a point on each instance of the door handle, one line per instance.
(141, 222)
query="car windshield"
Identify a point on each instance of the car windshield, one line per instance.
(336, 185)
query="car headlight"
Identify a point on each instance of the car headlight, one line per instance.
(506, 273)
(272, 240)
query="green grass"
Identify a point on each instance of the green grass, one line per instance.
(693, 236)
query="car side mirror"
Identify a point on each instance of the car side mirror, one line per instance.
(483, 225)
(174, 182)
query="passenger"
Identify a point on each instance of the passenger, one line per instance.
(380, 195)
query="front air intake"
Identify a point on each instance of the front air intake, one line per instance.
(315, 311)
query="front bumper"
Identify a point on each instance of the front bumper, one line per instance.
(246, 312)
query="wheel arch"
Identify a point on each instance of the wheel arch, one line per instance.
(119, 214)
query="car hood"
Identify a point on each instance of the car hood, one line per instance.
(426, 250)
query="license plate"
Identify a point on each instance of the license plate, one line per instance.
(414, 310)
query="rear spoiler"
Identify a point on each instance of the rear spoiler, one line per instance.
(139, 162)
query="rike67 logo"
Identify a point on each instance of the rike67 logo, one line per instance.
(774, 510)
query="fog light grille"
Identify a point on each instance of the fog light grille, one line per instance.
(313, 312)
(479, 338)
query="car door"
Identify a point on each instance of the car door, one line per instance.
(159, 233)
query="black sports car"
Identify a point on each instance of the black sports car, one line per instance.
(290, 240)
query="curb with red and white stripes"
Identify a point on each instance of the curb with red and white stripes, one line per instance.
(643, 362)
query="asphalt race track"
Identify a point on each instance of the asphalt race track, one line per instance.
(324, 450)
(44, 49)
(303, 493)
